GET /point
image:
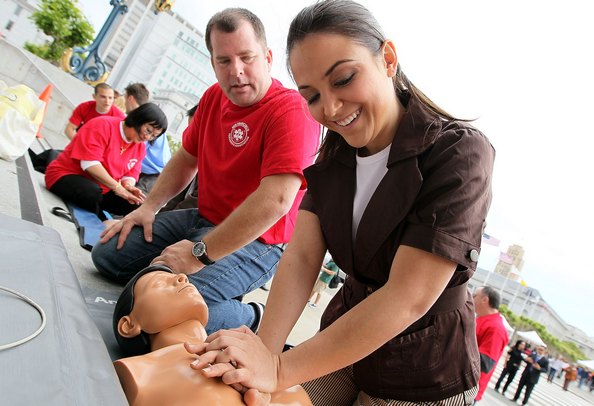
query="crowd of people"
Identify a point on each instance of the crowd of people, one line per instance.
(397, 193)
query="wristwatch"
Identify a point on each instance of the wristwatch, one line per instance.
(199, 251)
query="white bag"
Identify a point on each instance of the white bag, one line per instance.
(21, 113)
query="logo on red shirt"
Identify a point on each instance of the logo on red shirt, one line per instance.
(239, 134)
(131, 163)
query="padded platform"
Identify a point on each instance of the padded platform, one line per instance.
(68, 363)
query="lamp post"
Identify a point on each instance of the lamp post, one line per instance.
(91, 68)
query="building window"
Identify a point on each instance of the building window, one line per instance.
(9, 25)
(18, 10)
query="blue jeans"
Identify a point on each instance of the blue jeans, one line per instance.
(234, 275)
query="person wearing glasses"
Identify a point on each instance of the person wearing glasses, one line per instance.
(99, 168)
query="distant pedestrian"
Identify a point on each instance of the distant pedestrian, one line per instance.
(326, 274)
(555, 367)
(514, 360)
(491, 334)
(571, 374)
(583, 375)
(537, 364)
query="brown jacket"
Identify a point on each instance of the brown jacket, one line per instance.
(435, 196)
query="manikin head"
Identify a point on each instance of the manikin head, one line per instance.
(154, 300)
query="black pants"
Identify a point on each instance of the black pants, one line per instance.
(524, 381)
(511, 374)
(86, 194)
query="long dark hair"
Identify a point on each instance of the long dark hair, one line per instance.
(352, 20)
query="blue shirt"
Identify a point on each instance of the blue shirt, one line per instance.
(157, 156)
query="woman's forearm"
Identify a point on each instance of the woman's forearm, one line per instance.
(100, 174)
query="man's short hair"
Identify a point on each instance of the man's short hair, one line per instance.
(228, 21)
(102, 86)
(139, 92)
(493, 295)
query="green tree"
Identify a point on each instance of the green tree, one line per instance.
(65, 23)
(173, 145)
(568, 349)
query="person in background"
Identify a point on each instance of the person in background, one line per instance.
(515, 355)
(158, 152)
(326, 274)
(536, 364)
(100, 106)
(119, 100)
(571, 373)
(398, 197)
(249, 141)
(491, 334)
(99, 168)
(583, 375)
(555, 367)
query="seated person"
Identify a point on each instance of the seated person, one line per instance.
(102, 105)
(156, 313)
(99, 168)
(158, 152)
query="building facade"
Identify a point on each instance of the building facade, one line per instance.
(160, 49)
(16, 26)
(524, 300)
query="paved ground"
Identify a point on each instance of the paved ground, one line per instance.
(544, 393)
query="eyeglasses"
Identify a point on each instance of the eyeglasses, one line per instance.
(151, 132)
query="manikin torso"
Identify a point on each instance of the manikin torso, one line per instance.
(164, 376)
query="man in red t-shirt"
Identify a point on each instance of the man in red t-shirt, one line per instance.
(491, 334)
(249, 141)
(101, 105)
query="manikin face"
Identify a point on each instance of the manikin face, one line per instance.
(104, 99)
(348, 89)
(241, 65)
(163, 300)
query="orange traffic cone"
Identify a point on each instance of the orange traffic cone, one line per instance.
(45, 97)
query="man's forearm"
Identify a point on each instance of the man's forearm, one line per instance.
(260, 211)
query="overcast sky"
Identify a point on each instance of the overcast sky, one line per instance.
(525, 70)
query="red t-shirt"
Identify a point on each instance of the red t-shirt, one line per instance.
(99, 140)
(238, 146)
(88, 110)
(492, 338)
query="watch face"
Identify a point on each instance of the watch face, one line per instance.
(198, 249)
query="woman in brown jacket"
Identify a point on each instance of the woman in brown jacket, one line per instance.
(399, 197)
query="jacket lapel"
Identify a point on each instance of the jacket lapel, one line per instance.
(391, 202)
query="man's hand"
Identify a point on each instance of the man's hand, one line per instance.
(140, 217)
(179, 258)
